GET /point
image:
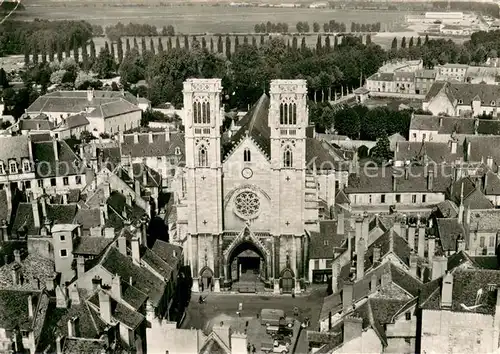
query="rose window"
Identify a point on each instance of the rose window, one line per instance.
(247, 205)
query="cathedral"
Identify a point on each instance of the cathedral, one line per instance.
(246, 212)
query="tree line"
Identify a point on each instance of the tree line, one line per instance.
(137, 30)
(269, 27)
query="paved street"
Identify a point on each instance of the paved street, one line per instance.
(222, 307)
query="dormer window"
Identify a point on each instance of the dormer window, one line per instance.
(12, 167)
(177, 150)
(26, 166)
(492, 103)
(2, 170)
(460, 102)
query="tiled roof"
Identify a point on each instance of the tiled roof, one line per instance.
(379, 180)
(159, 147)
(91, 246)
(473, 198)
(486, 262)
(168, 252)
(131, 319)
(32, 268)
(466, 284)
(46, 164)
(389, 239)
(113, 109)
(4, 212)
(88, 218)
(212, 346)
(153, 178)
(14, 147)
(492, 186)
(483, 146)
(118, 203)
(443, 125)
(457, 259)
(35, 124)
(425, 74)
(73, 196)
(255, 124)
(448, 232)
(447, 209)
(341, 198)
(14, 309)
(76, 101)
(435, 151)
(322, 243)
(488, 127)
(382, 77)
(323, 155)
(158, 264)
(84, 345)
(485, 220)
(76, 120)
(56, 213)
(116, 263)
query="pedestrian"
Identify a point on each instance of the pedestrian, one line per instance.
(253, 349)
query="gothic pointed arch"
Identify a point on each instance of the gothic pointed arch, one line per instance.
(245, 237)
(206, 271)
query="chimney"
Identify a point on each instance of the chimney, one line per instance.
(150, 137)
(144, 176)
(80, 266)
(90, 94)
(431, 248)
(360, 259)
(347, 292)
(468, 157)
(107, 190)
(167, 133)
(59, 340)
(350, 238)
(359, 232)
(137, 187)
(421, 241)
(128, 200)
(430, 180)
(136, 138)
(440, 121)
(453, 147)
(109, 232)
(411, 236)
(103, 211)
(16, 274)
(353, 328)
(376, 254)
(439, 267)
(56, 148)
(8, 195)
(447, 291)
(120, 137)
(407, 172)
(373, 283)
(73, 323)
(73, 295)
(65, 198)
(366, 230)
(62, 300)
(136, 255)
(96, 283)
(485, 181)
(413, 263)
(43, 201)
(116, 287)
(489, 162)
(335, 277)
(105, 306)
(340, 222)
(30, 306)
(394, 182)
(36, 214)
(17, 256)
(460, 243)
(122, 244)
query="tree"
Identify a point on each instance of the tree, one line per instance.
(303, 45)
(160, 44)
(85, 58)
(112, 51)
(104, 64)
(299, 27)
(327, 44)
(152, 46)
(212, 46)
(410, 45)
(26, 56)
(254, 42)
(403, 42)
(92, 51)
(228, 47)
(394, 44)
(51, 51)
(136, 45)
(203, 43)
(76, 52)
(4, 82)
(236, 43)
(56, 78)
(319, 44)
(419, 41)
(295, 43)
(86, 137)
(143, 46)
(329, 288)
(59, 49)
(426, 41)
(316, 27)
(177, 42)
(381, 152)
(368, 39)
(186, 43)
(220, 46)
(132, 68)
(127, 45)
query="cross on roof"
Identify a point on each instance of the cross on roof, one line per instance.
(287, 178)
(287, 223)
(204, 222)
(203, 177)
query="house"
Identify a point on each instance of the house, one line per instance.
(17, 168)
(424, 79)
(482, 74)
(72, 126)
(22, 315)
(107, 111)
(410, 185)
(405, 82)
(36, 125)
(162, 152)
(462, 99)
(462, 313)
(451, 72)
(381, 82)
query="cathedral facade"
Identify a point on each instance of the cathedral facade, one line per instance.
(251, 206)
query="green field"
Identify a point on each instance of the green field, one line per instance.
(206, 19)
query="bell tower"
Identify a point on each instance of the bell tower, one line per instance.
(288, 120)
(203, 116)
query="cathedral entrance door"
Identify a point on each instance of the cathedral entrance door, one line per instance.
(206, 276)
(247, 267)
(287, 281)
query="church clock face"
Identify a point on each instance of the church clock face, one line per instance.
(247, 173)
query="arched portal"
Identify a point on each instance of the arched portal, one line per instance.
(287, 280)
(246, 264)
(206, 279)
